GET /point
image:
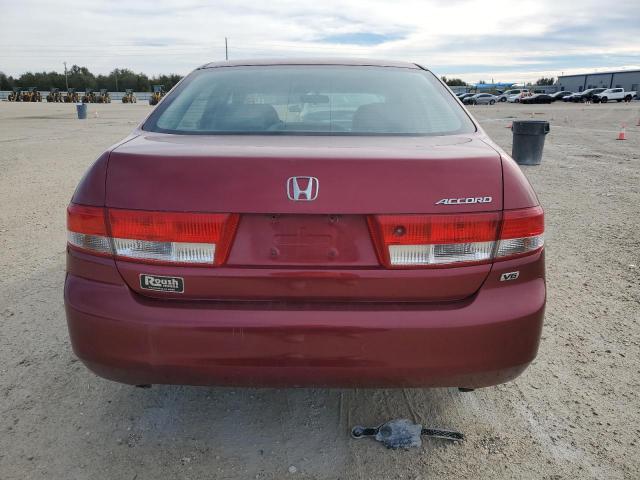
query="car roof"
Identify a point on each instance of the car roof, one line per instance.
(313, 61)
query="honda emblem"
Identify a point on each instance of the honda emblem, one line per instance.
(302, 188)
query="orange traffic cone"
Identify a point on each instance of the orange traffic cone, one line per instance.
(621, 135)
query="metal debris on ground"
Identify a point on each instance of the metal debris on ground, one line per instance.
(403, 433)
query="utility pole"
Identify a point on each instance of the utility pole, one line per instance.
(226, 49)
(66, 82)
(116, 74)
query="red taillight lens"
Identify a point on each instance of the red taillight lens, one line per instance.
(522, 232)
(88, 220)
(163, 237)
(451, 240)
(168, 226)
(417, 229)
(527, 222)
(87, 230)
(171, 237)
(434, 240)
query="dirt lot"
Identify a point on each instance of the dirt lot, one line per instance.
(574, 414)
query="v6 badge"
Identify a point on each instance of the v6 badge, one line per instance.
(162, 284)
(505, 277)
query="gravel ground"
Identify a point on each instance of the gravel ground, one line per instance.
(574, 413)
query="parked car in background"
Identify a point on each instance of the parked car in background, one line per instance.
(560, 95)
(537, 98)
(505, 95)
(586, 95)
(518, 96)
(465, 95)
(202, 251)
(480, 99)
(572, 97)
(617, 94)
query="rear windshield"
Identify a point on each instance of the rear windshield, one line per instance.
(318, 99)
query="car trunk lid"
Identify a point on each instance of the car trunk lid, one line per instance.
(306, 250)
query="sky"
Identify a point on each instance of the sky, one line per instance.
(492, 41)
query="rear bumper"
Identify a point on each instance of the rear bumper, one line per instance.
(486, 340)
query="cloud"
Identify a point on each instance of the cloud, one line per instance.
(359, 38)
(502, 40)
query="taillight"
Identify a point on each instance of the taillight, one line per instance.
(522, 232)
(87, 229)
(170, 237)
(434, 240)
(458, 239)
(159, 237)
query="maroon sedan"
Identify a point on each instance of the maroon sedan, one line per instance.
(306, 223)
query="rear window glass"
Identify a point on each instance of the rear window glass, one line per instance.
(318, 99)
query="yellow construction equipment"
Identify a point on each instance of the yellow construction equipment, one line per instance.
(89, 96)
(31, 94)
(128, 96)
(158, 93)
(103, 96)
(15, 95)
(55, 96)
(72, 96)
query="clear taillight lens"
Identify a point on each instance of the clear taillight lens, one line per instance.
(452, 240)
(163, 237)
(440, 254)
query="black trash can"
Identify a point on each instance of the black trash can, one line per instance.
(82, 110)
(528, 141)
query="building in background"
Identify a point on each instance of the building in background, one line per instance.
(627, 79)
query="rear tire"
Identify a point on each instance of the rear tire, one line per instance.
(604, 100)
(492, 102)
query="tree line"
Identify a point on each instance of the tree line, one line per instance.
(81, 78)
(122, 78)
(456, 82)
